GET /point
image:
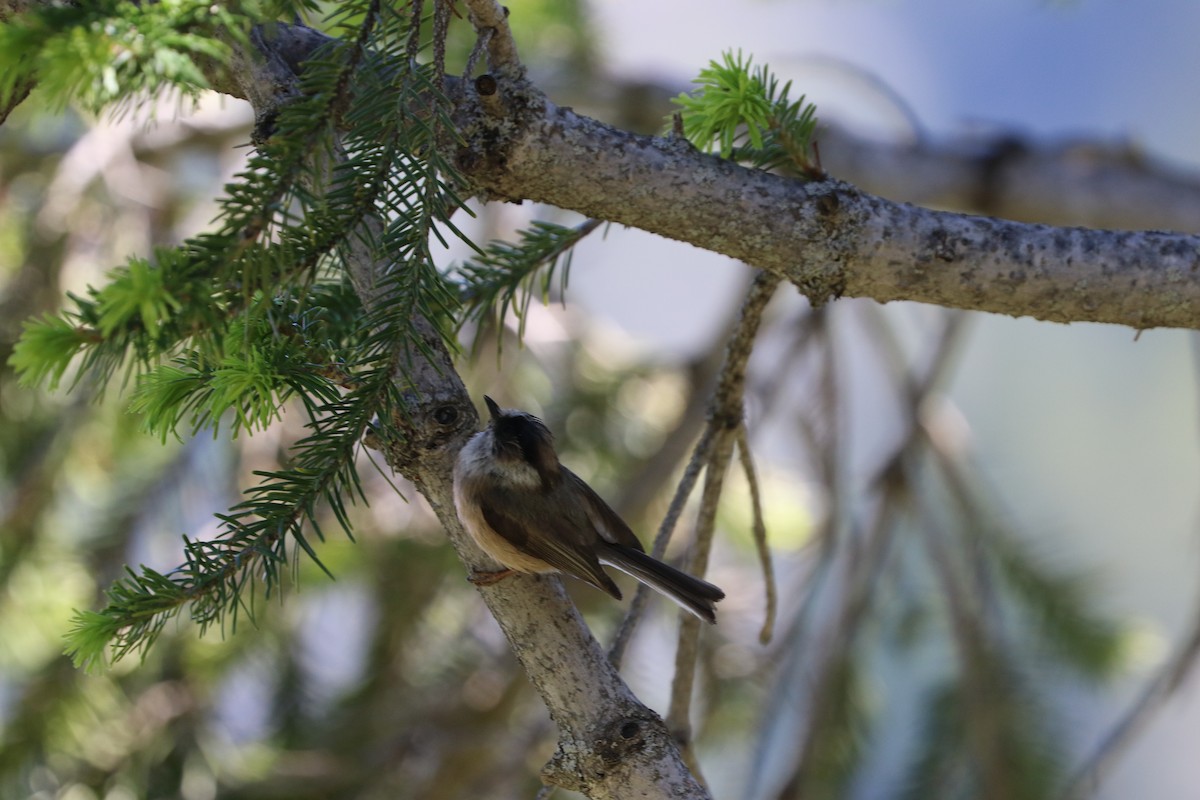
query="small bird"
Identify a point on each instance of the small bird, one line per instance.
(532, 514)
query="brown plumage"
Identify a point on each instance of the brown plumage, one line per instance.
(531, 514)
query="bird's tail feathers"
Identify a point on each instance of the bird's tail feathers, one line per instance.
(697, 596)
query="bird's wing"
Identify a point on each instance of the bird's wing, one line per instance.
(606, 522)
(539, 526)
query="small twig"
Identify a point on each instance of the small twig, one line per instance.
(760, 537)
(413, 46)
(679, 714)
(688, 649)
(482, 38)
(725, 421)
(830, 444)
(914, 391)
(652, 474)
(728, 394)
(950, 342)
(502, 49)
(731, 388)
(677, 126)
(441, 28)
(691, 473)
(863, 555)
(818, 425)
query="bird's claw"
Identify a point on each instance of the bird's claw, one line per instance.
(480, 578)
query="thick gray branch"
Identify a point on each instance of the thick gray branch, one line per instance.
(610, 745)
(830, 239)
(1092, 183)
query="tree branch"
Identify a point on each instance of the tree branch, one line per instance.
(610, 745)
(830, 239)
(1089, 182)
(491, 24)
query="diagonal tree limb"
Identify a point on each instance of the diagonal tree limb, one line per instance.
(609, 743)
(829, 238)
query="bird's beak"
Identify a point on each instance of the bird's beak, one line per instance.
(493, 409)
